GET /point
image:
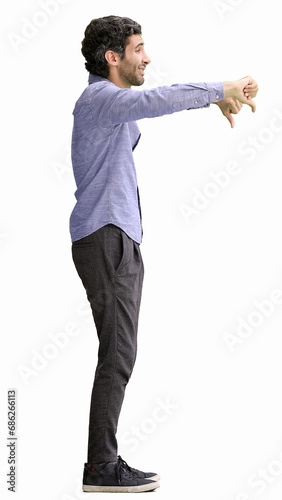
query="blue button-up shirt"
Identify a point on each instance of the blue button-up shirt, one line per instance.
(105, 134)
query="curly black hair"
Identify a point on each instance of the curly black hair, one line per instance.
(106, 33)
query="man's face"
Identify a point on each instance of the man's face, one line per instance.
(133, 65)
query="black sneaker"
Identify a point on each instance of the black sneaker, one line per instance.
(115, 477)
(138, 473)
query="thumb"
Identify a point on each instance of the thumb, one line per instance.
(230, 118)
(252, 104)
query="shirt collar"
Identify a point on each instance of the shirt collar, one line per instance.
(95, 78)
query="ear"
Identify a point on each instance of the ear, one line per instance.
(112, 58)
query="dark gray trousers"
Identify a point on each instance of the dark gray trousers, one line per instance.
(110, 266)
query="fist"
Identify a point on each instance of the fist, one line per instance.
(251, 89)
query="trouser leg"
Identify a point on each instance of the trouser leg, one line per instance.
(110, 266)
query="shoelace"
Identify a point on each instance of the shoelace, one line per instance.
(126, 466)
(121, 468)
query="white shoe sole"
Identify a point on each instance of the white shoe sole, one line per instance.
(121, 489)
(154, 478)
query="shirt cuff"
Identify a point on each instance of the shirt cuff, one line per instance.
(215, 94)
(216, 91)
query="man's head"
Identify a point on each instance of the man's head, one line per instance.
(114, 49)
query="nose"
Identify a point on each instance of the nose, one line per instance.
(146, 59)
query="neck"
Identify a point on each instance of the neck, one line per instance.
(115, 78)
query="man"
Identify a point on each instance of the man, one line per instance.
(105, 224)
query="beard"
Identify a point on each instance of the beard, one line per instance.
(130, 74)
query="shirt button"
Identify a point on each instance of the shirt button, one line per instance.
(196, 102)
(217, 96)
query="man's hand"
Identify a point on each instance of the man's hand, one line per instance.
(242, 90)
(235, 95)
(228, 106)
(251, 89)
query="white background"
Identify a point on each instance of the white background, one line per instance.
(206, 418)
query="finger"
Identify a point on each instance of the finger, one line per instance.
(251, 94)
(251, 91)
(231, 109)
(253, 85)
(247, 100)
(236, 107)
(252, 104)
(230, 119)
(249, 80)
